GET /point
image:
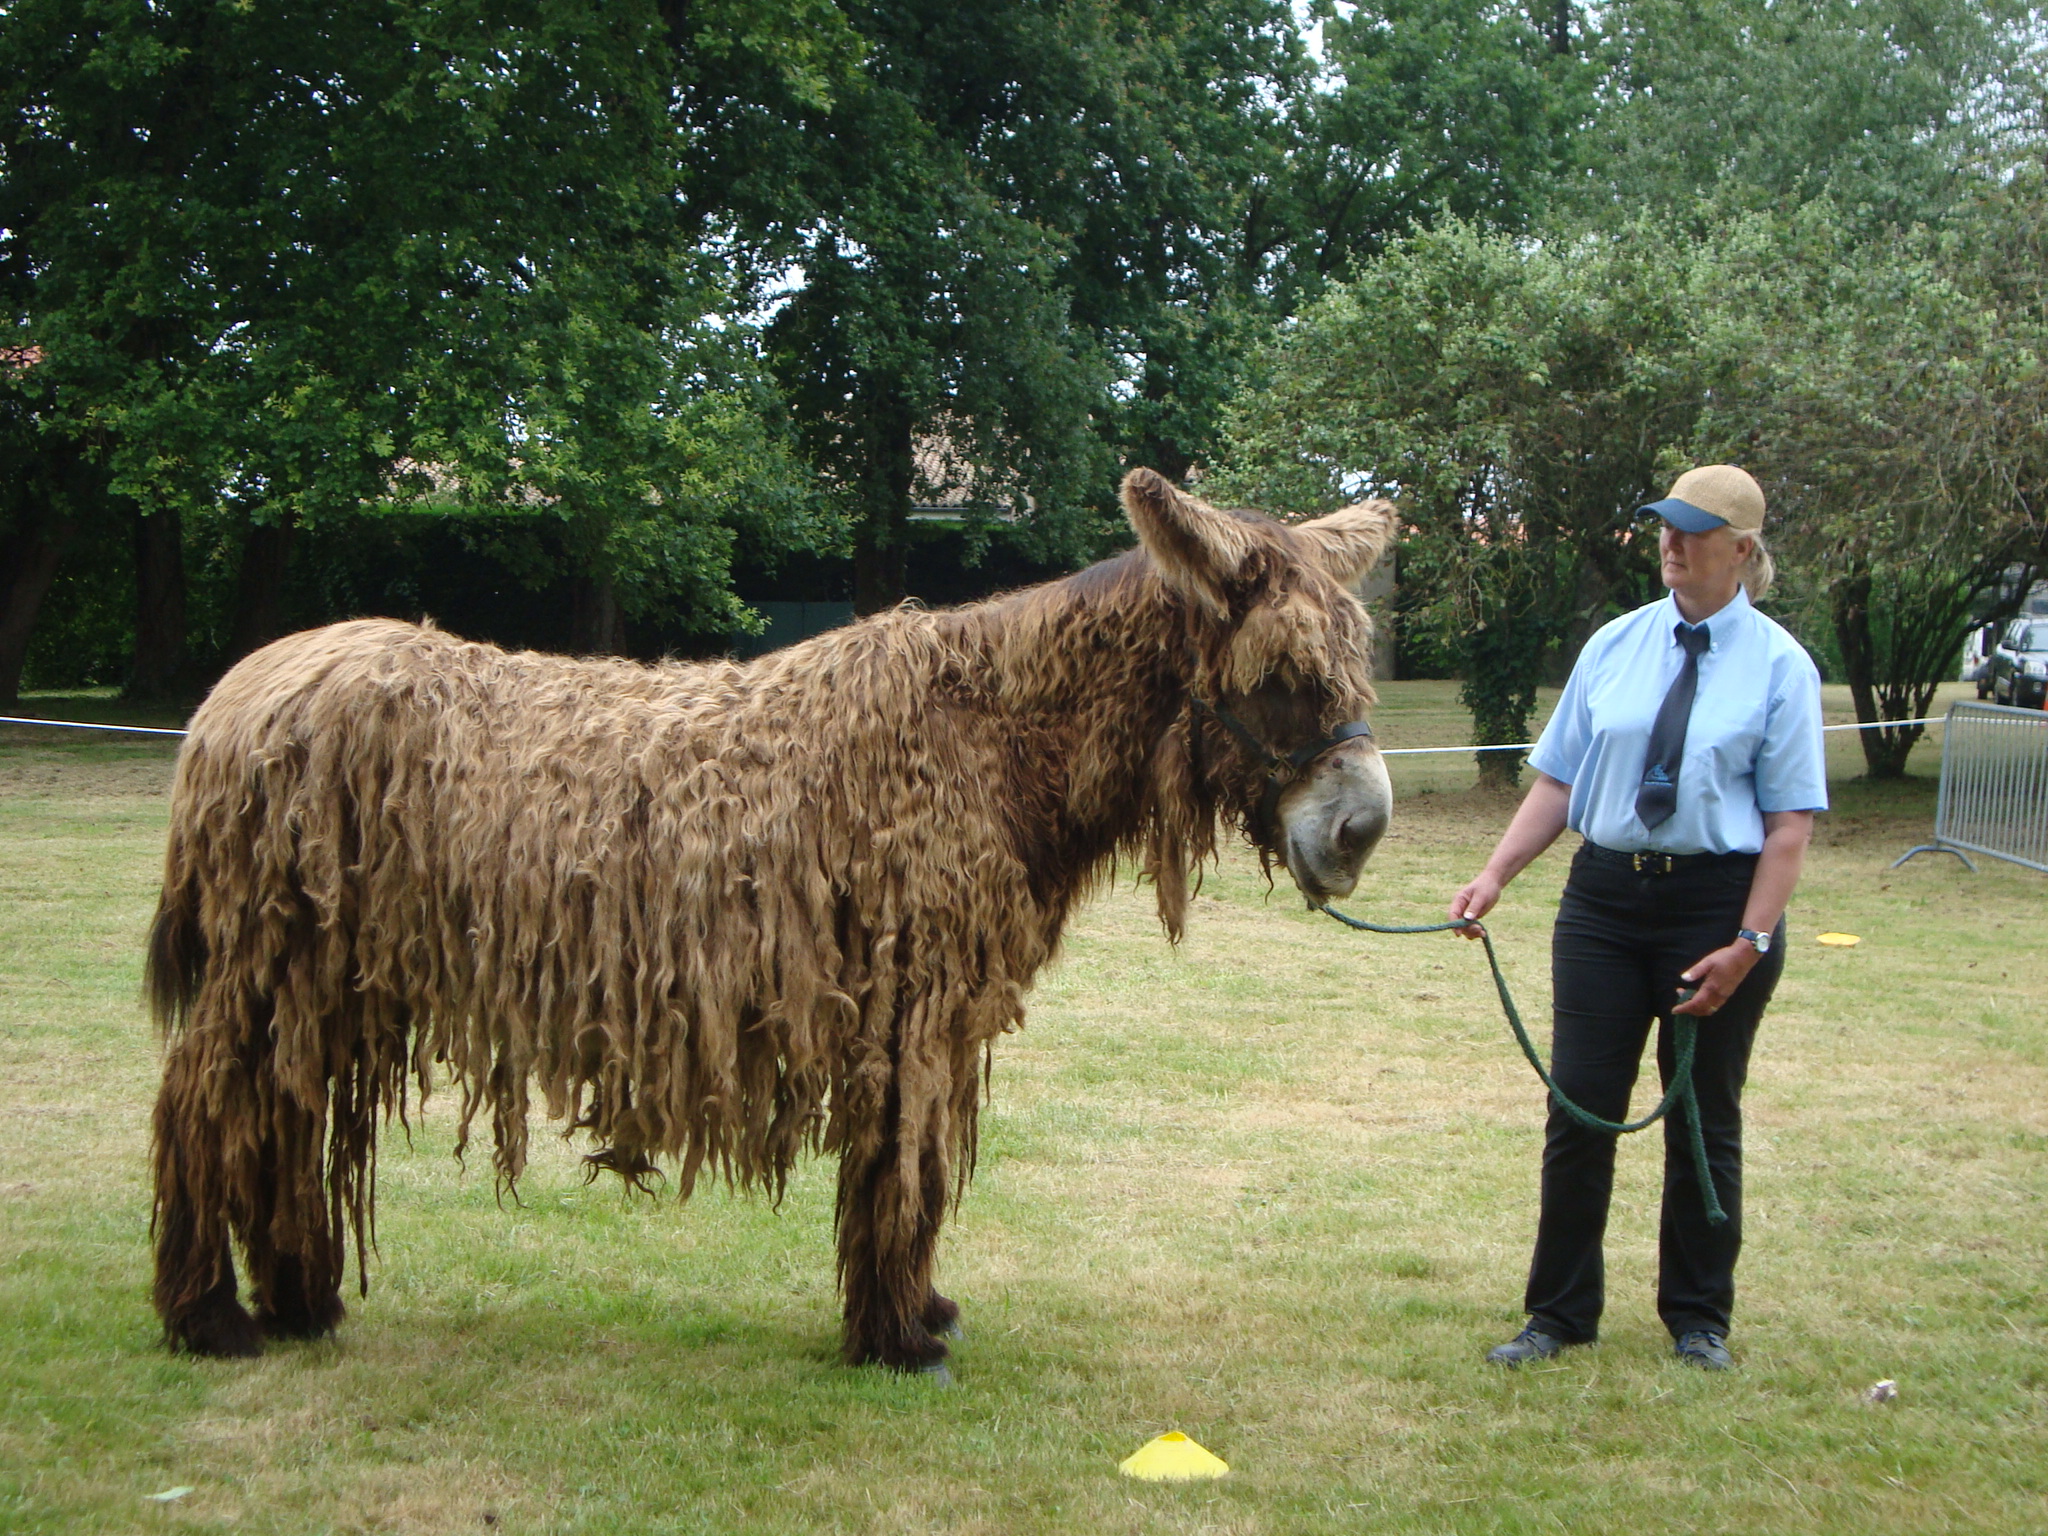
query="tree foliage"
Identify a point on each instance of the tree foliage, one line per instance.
(1027, 252)
(1790, 234)
(265, 258)
(1430, 108)
(1894, 398)
(1521, 400)
(1895, 110)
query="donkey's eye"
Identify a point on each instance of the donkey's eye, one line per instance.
(1288, 711)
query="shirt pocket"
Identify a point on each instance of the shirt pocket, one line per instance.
(1728, 740)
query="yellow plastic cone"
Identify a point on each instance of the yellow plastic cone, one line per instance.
(1837, 940)
(1172, 1458)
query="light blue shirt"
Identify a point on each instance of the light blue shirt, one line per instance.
(1753, 743)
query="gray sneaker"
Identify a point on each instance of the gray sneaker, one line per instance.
(1529, 1344)
(1708, 1351)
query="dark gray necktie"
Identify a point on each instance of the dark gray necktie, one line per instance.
(1658, 797)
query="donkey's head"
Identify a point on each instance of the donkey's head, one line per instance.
(1279, 672)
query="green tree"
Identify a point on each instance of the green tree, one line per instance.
(1891, 125)
(1248, 175)
(1893, 397)
(1174, 201)
(46, 493)
(1023, 248)
(1428, 109)
(1895, 109)
(265, 257)
(930, 320)
(1520, 401)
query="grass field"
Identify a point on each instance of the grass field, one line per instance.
(1274, 1189)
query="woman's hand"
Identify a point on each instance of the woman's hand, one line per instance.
(1717, 976)
(1786, 834)
(1477, 899)
(1537, 822)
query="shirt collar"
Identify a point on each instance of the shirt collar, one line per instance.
(1720, 627)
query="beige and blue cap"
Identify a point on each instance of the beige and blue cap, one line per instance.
(1713, 496)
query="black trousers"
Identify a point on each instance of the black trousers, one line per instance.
(1621, 940)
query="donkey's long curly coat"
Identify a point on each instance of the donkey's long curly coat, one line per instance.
(715, 914)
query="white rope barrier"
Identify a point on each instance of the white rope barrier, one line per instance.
(1858, 725)
(87, 725)
(1530, 746)
(1520, 746)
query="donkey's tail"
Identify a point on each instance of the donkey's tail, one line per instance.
(176, 957)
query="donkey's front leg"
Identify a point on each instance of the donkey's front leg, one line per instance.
(892, 1198)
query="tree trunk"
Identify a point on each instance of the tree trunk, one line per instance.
(1561, 27)
(259, 587)
(1502, 664)
(881, 543)
(29, 555)
(158, 668)
(1499, 770)
(1849, 608)
(880, 575)
(596, 626)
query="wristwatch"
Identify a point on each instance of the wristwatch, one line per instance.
(1760, 942)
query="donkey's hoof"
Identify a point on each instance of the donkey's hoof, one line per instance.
(955, 1330)
(935, 1372)
(220, 1329)
(300, 1320)
(295, 1307)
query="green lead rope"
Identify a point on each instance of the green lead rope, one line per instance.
(1680, 1090)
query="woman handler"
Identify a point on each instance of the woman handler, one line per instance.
(1687, 752)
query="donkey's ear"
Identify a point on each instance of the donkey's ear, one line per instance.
(1350, 543)
(1198, 549)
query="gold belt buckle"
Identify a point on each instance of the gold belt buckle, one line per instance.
(1653, 863)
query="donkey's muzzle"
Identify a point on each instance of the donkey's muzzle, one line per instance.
(1332, 817)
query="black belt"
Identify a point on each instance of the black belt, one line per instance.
(1650, 863)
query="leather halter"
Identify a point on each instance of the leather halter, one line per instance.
(1281, 770)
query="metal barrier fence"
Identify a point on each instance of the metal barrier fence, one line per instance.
(1994, 787)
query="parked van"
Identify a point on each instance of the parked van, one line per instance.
(1977, 658)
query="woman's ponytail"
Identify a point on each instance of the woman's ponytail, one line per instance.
(1759, 570)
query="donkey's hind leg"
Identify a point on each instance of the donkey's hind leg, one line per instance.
(294, 1253)
(195, 1271)
(892, 1199)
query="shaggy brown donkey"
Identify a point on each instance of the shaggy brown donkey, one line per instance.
(717, 914)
